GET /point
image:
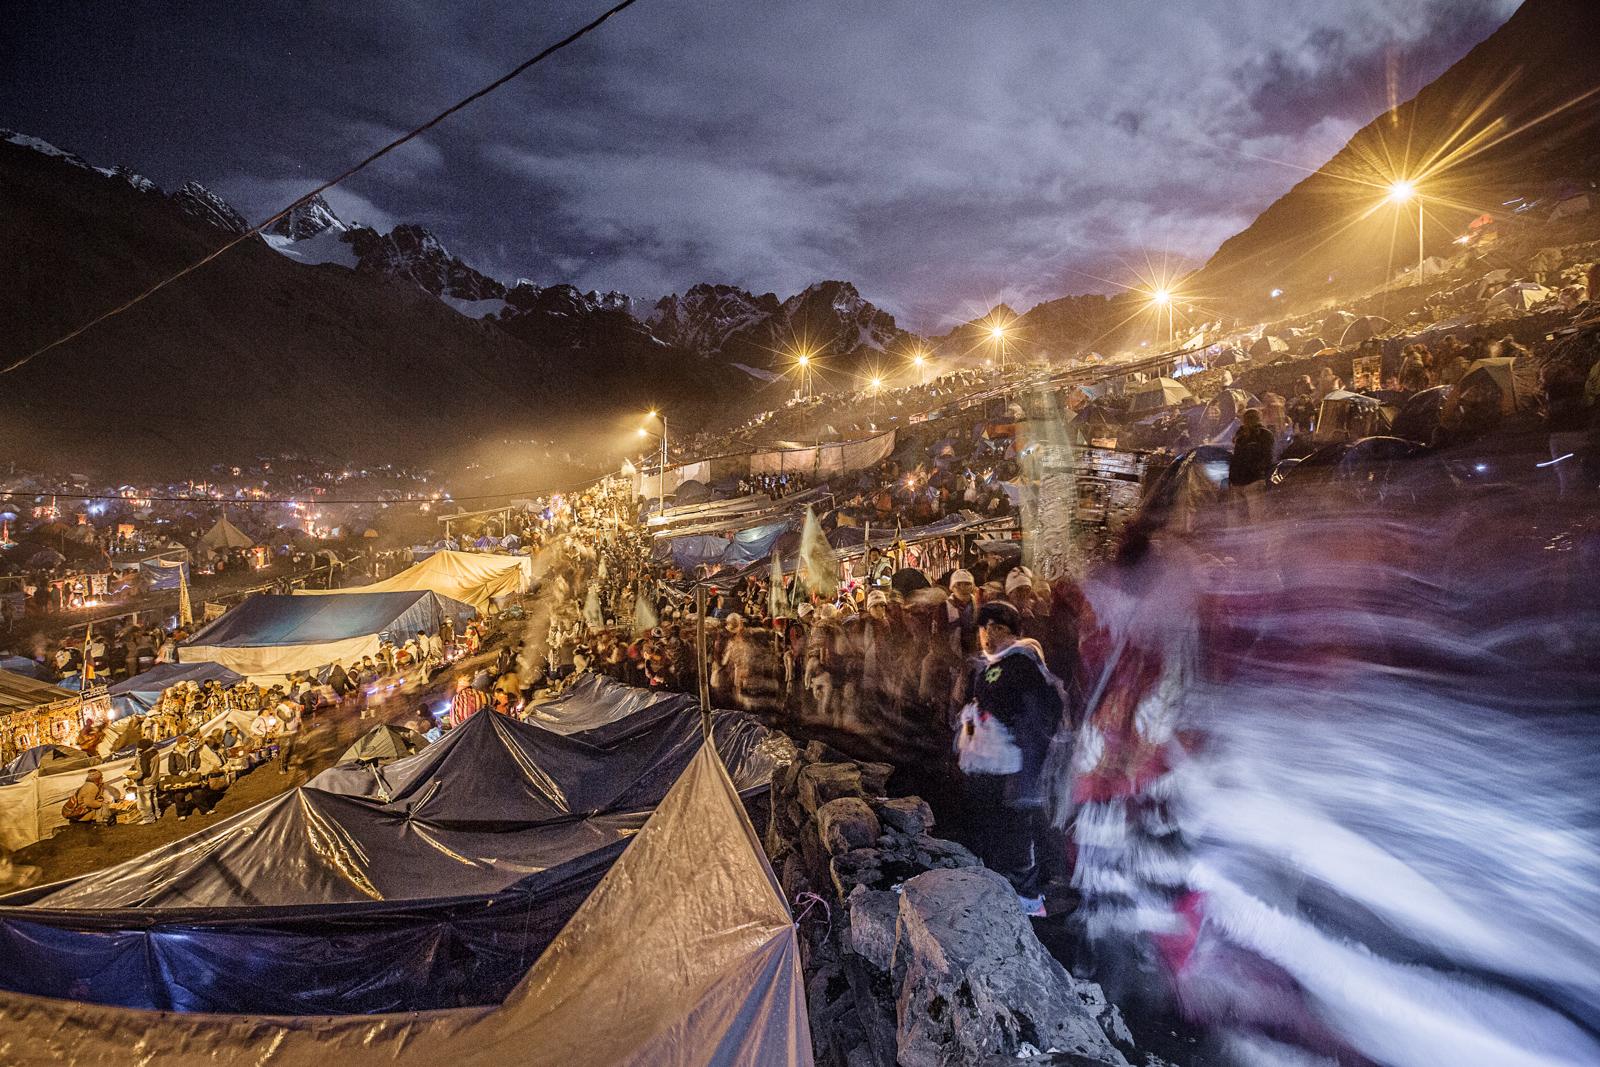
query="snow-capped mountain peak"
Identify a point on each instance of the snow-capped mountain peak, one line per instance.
(201, 203)
(306, 220)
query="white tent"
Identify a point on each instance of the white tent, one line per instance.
(473, 578)
(1520, 296)
(685, 953)
(1156, 394)
(222, 537)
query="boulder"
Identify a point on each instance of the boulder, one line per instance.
(909, 815)
(974, 982)
(821, 782)
(874, 915)
(845, 824)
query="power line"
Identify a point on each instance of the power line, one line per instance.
(385, 150)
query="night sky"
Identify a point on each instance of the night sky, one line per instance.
(943, 156)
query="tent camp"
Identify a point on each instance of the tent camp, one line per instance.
(1516, 385)
(1267, 346)
(1363, 329)
(220, 539)
(1336, 323)
(1519, 296)
(1152, 396)
(473, 578)
(268, 637)
(137, 695)
(383, 744)
(688, 939)
(430, 882)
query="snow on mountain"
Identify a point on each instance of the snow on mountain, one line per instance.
(43, 147)
(329, 246)
(413, 253)
(707, 317)
(307, 220)
(829, 318)
(476, 309)
(132, 177)
(201, 203)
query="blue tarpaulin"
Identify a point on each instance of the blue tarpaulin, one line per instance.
(137, 695)
(691, 550)
(271, 636)
(162, 574)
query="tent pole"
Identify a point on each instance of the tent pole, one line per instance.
(700, 651)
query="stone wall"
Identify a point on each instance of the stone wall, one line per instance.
(916, 955)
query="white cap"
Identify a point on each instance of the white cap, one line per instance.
(957, 577)
(1019, 576)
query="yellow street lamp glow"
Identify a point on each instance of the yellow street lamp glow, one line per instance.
(803, 360)
(1401, 191)
(642, 432)
(652, 413)
(1161, 297)
(918, 359)
(997, 332)
(876, 382)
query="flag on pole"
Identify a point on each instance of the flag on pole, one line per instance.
(185, 608)
(819, 568)
(644, 615)
(88, 660)
(777, 599)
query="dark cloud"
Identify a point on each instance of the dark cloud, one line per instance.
(940, 156)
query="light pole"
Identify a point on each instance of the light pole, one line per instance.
(662, 499)
(1163, 302)
(920, 361)
(804, 362)
(1401, 192)
(999, 335)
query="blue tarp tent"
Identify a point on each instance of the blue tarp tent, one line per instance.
(431, 882)
(269, 637)
(139, 694)
(161, 574)
(29, 667)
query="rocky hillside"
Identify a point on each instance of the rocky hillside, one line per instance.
(830, 320)
(1483, 115)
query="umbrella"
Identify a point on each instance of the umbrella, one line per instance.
(1312, 345)
(1520, 295)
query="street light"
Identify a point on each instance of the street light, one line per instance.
(1403, 192)
(662, 498)
(919, 360)
(998, 333)
(803, 361)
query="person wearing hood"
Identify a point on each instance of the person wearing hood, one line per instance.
(1002, 741)
(194, 776)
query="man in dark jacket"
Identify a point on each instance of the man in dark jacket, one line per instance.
(1003, 741)
(1251, 462)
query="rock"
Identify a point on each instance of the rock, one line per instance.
(875, 778)
(974, 981)
(936, 853)
(858, 867)
(874, 915)
(821, 782)
(909, 815)
(845, 824)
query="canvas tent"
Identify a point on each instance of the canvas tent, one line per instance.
(445, 873)
(220, 539)
(688, 941)
(1519, 296)
(1152, 396)
(384, 743)
(1267, 346)
(268, 637)
(137, 695)
(1363, 329)
(473, 578)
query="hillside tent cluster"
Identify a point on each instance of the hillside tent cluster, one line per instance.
(474, 578)
(444, 873)
(268, 637)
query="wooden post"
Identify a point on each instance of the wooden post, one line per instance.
(705, 671)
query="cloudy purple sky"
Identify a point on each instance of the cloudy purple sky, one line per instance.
(942, 155)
